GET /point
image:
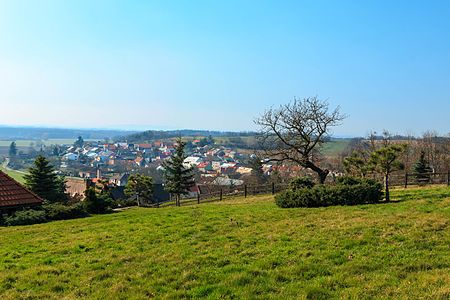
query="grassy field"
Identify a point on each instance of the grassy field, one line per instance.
(26, 143)
(335, 147)
(235, 249)
(14, 174)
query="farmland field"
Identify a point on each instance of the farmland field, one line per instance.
(26, 143)
(239, 248)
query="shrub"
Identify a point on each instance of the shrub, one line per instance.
(96, 204)
(123, 202)
(26, 217)
(350, 180)
(301, 182)
(347, 192)
(64, 212)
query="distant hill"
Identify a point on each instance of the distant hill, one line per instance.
(41, 133)
(150, 135)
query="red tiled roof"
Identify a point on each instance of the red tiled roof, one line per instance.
(145, 146)
(13, 193)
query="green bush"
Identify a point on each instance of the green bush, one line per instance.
(26, 217)
(97, 203)
(350, 180)
(59, 211)
(349, 191)
(301, 182)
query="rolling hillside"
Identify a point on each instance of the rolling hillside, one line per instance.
(239, 248)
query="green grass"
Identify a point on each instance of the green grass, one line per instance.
(14, 174)
(335, 147)
(239, 248)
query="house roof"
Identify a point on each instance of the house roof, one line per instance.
(146, 146)
(13, 193)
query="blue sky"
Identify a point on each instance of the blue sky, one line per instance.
(219, 64)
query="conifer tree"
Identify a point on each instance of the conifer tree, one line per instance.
(386, 160)
(43, 181)
(256, 165)
(178, 177)
(79, 143)
(12, 149)
(422, 168)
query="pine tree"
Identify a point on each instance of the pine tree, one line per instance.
(422, 168)
(12, 149)
(43, 181)
(386, 160)
(178, 178)
(96, 203)
(256, 165)
(79, 143)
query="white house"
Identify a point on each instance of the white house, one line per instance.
(191, 161)
(70, 156)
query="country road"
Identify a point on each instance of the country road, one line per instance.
(5, 167)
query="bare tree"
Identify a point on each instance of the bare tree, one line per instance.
(296, 131)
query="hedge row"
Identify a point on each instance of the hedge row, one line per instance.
(348, 191)
(47, 212)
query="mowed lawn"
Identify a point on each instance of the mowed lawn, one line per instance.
(235, 249)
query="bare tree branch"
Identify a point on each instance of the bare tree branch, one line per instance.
(296, 130)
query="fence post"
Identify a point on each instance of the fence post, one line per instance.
(221, 194)
(198, 198)
(406, 180)
(245, 191)
(273, 188)
(448, 178)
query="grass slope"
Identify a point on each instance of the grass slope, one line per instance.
(18, 176)
(239, 248)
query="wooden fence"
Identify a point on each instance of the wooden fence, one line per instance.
(414, 179)
(218, 193)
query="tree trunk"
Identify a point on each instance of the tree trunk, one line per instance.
(386, 186)
(322, 173)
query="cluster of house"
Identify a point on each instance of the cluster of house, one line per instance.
(208, 161)
(129, 155)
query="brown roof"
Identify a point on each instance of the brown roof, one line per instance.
(13, 193)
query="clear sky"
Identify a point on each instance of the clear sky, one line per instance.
(219, 64)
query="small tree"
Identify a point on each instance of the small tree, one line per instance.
(357, 164)
(179, 178)
(386, 160)
(256, 165)
(43, 181)
(296, 131)
(422, 168)
(12, 149)
(79, 143)
(140, 186)
(95, 203)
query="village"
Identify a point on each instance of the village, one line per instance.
(87, 162)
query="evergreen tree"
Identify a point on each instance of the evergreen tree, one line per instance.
(12, 149)
(79, 143)
(422, 168)
(140, 186)
(43, 181)
(256, 165)
(56, 150)
(178, 177)
(386, 160)
(96, 203)
(357, 164)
